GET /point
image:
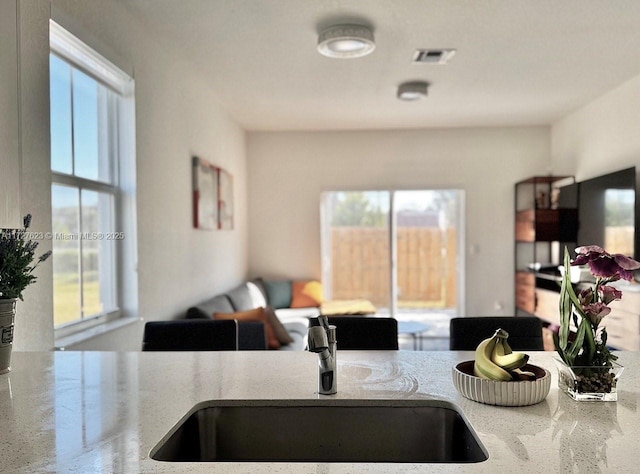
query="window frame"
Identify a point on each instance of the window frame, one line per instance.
(121, 136)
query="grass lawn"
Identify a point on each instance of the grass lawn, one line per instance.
(66, 299)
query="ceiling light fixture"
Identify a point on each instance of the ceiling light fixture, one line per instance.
(412, 90)
(346, 41)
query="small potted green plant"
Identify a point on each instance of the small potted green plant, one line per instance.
(17, 263)
(588, 370)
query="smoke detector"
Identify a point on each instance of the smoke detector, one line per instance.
(433, 56)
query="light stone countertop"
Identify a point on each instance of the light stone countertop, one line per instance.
(104, 411)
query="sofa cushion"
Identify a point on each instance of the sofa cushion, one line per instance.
(217, 304)
(280, 331)
(259, 282)
(241, 298)
(299, 341)
(257, 298)
(295, 314)
(256, 314)
(306, 294)
(351, 307)
(278, 292)
(298, 326)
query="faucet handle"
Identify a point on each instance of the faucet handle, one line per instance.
(317, 339)
(324, 322)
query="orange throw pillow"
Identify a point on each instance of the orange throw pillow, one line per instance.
(257, 314)
(306, 294)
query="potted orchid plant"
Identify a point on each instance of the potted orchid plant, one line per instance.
(588, 369)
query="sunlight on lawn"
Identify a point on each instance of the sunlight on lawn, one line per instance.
(66, 300)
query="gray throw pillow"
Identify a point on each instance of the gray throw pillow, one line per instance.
(241, 298)
(259, 282)
(257, 298)
(217, 304)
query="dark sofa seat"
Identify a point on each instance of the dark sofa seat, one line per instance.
(246, 297)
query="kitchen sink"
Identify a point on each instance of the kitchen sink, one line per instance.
(349, 431)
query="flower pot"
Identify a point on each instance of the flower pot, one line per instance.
(591, 384)
(7, 316)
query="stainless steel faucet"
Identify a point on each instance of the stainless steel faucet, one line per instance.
(322, 340)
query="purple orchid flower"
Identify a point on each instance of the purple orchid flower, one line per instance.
(605, 265)
(586, 297)
(609, 294)
(595, 312)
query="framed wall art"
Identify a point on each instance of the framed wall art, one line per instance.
(225, 200)
(212, 196)
(205, 194)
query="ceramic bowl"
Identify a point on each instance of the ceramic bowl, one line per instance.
(497, 392)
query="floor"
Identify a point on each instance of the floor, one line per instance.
(434, 338)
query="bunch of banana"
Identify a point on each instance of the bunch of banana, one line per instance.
(496, 361)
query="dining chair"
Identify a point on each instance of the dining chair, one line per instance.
(525, 332)
(364, 332)
(190, 335)
(251, 336)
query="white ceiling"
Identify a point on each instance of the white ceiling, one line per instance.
(518, 62)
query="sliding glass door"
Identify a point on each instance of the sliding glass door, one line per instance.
(399, 249)
(356, 249)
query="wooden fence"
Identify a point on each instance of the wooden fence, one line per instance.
(619, 239)
(426, 267)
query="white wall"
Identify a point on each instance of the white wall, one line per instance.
(288, 171)
(601, 137)
(177, 116)
(9, 125)
(34, 323)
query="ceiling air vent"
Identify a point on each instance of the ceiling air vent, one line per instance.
(433, 56)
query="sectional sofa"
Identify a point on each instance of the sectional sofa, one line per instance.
(270, 302)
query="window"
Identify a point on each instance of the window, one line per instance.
(93, 182)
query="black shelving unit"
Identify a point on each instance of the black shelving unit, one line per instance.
(542, 228)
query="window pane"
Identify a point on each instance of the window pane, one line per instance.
(619, 218)
(66, 248)
(60, 89)
(358, 253)
(426, 238)
(90, 128)
(97, 253)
